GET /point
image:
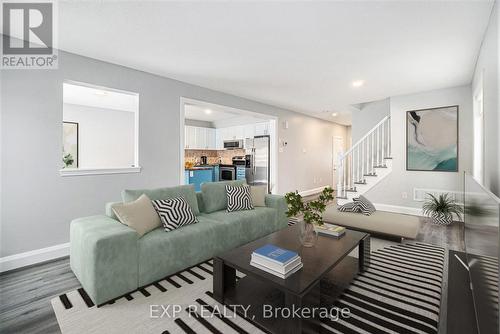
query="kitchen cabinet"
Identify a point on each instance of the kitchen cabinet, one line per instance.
(207, 138)
(210, 135)
(240, 172)
(199, 138)
(190, 137)
(262, 129)
(199, 176)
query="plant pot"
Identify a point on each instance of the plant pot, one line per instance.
(308, 235)
(441, 218)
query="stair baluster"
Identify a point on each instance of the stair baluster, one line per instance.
(367, 154)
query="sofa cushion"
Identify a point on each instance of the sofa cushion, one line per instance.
(186, 191)
(214, 194)
(241, 227)
(238, 198)
(380, 222)
(174, 213)
(139, 215)
(162, 254)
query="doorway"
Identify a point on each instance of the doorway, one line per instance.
(338, 152)
(221, 137)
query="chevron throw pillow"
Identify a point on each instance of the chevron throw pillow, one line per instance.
(349, 207)
(238, 198)
(364, 205)
(174, 213)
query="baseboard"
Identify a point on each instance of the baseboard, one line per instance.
(32, 257)
(406, 210)
(310, 192)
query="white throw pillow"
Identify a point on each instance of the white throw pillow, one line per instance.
(138, 215)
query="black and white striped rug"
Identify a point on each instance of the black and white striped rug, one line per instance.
(399, 293)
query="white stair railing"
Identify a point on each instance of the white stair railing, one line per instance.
(363, 157)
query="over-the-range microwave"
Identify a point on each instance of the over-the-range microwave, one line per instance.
(233, 144)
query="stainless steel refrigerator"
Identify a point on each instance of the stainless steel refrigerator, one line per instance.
(257, 167)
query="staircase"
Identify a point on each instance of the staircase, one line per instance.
(366, 163)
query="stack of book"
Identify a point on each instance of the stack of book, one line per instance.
(330, 229)
(277, 261)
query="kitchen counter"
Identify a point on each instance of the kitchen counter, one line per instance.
(199, 168)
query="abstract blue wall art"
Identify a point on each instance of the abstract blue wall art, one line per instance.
(432, 139)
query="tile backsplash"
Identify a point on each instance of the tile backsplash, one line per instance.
(213, 156)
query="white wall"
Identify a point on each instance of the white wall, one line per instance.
(488, 71)
(367, 117)
(32, 113)
(389, 190)
(105, 136)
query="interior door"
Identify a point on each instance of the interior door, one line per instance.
(338, 151)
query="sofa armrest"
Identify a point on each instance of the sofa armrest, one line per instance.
(109, 209)
(103, 256)
(278, 202)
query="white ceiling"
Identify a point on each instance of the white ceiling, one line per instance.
(220, 116)
(301, 56)
(99, 97)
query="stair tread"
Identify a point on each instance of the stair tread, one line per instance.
(351, 190)
(370, 175)
(382, 166)
(359, 182)
(388, 158)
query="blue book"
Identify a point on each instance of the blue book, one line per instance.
(280, 255)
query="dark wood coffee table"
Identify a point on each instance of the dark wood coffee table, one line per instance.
(300, 290)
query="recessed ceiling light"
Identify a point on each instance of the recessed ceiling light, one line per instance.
(334, 114)
(208, 111)
(358, 83)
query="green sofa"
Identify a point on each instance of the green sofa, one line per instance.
(110, 259)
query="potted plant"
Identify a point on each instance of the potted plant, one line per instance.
(441, 209)
(308, 214)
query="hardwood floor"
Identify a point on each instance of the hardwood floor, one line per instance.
(25, 294)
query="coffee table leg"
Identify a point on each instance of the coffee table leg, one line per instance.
(364, 254)
(224, 278)
(294, 325)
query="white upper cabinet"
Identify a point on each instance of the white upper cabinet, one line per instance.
(262, 129)
(249, 131)
(211, 143)
(213, 139)
(190, 137)
(199, 138)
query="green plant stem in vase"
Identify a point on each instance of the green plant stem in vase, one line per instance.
(308, 214)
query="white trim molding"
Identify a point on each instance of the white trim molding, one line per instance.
(406, 210)
(98, 171)
(314, 191)
(32, 257)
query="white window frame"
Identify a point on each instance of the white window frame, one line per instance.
(108, 170)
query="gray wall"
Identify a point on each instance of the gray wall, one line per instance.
(389, 190)
(487, 70)
(367, 117)
(38, 204)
